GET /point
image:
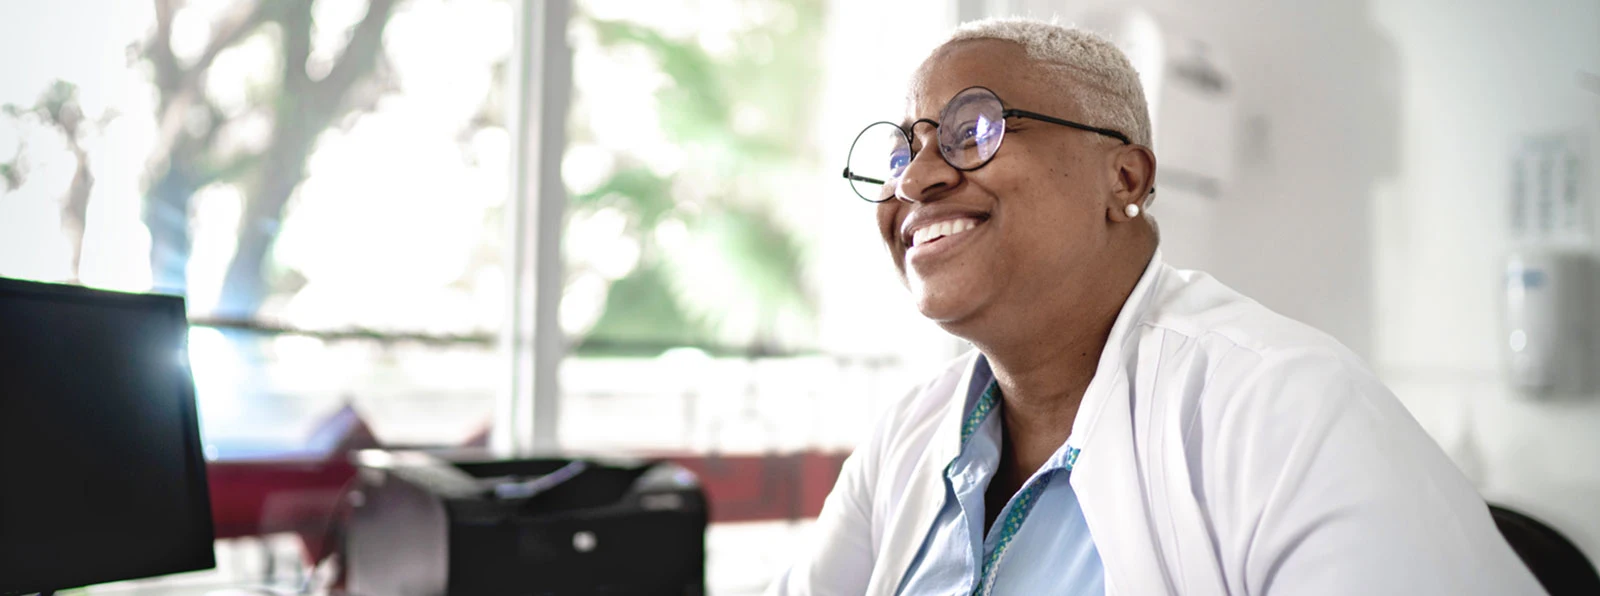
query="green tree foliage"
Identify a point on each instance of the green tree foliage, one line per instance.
(737, 281)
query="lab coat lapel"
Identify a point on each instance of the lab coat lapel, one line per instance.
(924, 496)
(1179, 520)
(1174, 514)
(1110, 474)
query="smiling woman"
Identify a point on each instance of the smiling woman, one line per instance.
(1039, 166)
(1122, 426)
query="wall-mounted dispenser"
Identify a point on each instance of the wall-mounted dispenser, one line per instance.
(1548, 338)
(1549, 312)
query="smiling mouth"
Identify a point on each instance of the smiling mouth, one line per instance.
(940, 230)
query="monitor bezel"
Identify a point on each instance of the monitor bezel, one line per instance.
(194, 452)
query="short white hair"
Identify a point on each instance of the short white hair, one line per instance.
(1109, 88)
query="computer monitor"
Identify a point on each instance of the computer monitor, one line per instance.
(102, 477)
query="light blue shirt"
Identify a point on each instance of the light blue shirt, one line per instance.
(1050, 550)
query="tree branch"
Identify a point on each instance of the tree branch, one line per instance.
(234, 168)
(174, 79)
(159, 51)
(360, 54)
(174, 96)
(296, 21)
(228, 30)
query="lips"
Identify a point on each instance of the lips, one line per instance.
(938, 230)
(932, 222)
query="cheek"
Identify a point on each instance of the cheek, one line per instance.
(1050, 211)
(889, 230)
(885, 214)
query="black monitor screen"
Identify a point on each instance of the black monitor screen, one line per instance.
(101, 472)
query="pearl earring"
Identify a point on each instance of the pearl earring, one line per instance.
(1132, 210)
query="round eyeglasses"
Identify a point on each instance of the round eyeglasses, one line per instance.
(970, 129)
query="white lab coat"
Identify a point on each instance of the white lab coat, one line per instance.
(1225, 450)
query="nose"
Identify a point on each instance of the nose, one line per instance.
(928, 175)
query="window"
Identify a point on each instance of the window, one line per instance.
(724, 290)
(324, 181)
(329, 183)
(725, 294)
(689, 147)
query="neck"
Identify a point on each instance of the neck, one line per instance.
(1044, 363)
(1044, 372)
(1042, 385)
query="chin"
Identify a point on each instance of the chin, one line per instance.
(945, 306)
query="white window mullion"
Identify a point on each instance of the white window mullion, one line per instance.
(526, 417)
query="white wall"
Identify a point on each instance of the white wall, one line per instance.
(1312, 81)
(1476, 78)
(1374, 153)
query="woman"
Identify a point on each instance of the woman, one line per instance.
(1122, 427)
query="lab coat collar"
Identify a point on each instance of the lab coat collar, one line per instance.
(946, 445)
(1110, 370)
(1107, 476)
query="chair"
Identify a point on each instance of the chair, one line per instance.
(1558, 565)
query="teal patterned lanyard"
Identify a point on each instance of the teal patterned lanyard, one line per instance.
(1024, 500)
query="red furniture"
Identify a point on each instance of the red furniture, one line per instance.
(301, 495)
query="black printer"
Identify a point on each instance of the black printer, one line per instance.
(421, 525)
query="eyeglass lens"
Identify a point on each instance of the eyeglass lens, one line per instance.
(971, 127)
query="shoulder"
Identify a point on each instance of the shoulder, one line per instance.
(1265, 397)
(911, 420)
(1193, 304)
(1244, 376)
(1313, 476)
(1192, 316)
(907, 426)
(930, 399)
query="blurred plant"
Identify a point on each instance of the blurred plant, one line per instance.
(716, 267)
(58, 108)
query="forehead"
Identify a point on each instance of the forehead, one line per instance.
(1002, 66)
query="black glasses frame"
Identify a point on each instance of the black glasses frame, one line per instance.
(1005, 113)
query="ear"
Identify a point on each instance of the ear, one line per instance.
(1133, 179)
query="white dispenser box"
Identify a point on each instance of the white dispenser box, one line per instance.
(1548, 338)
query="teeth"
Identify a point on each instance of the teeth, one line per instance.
(941, 229)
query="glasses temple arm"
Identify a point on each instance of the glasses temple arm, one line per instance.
(1070, 124)
(858, 178)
